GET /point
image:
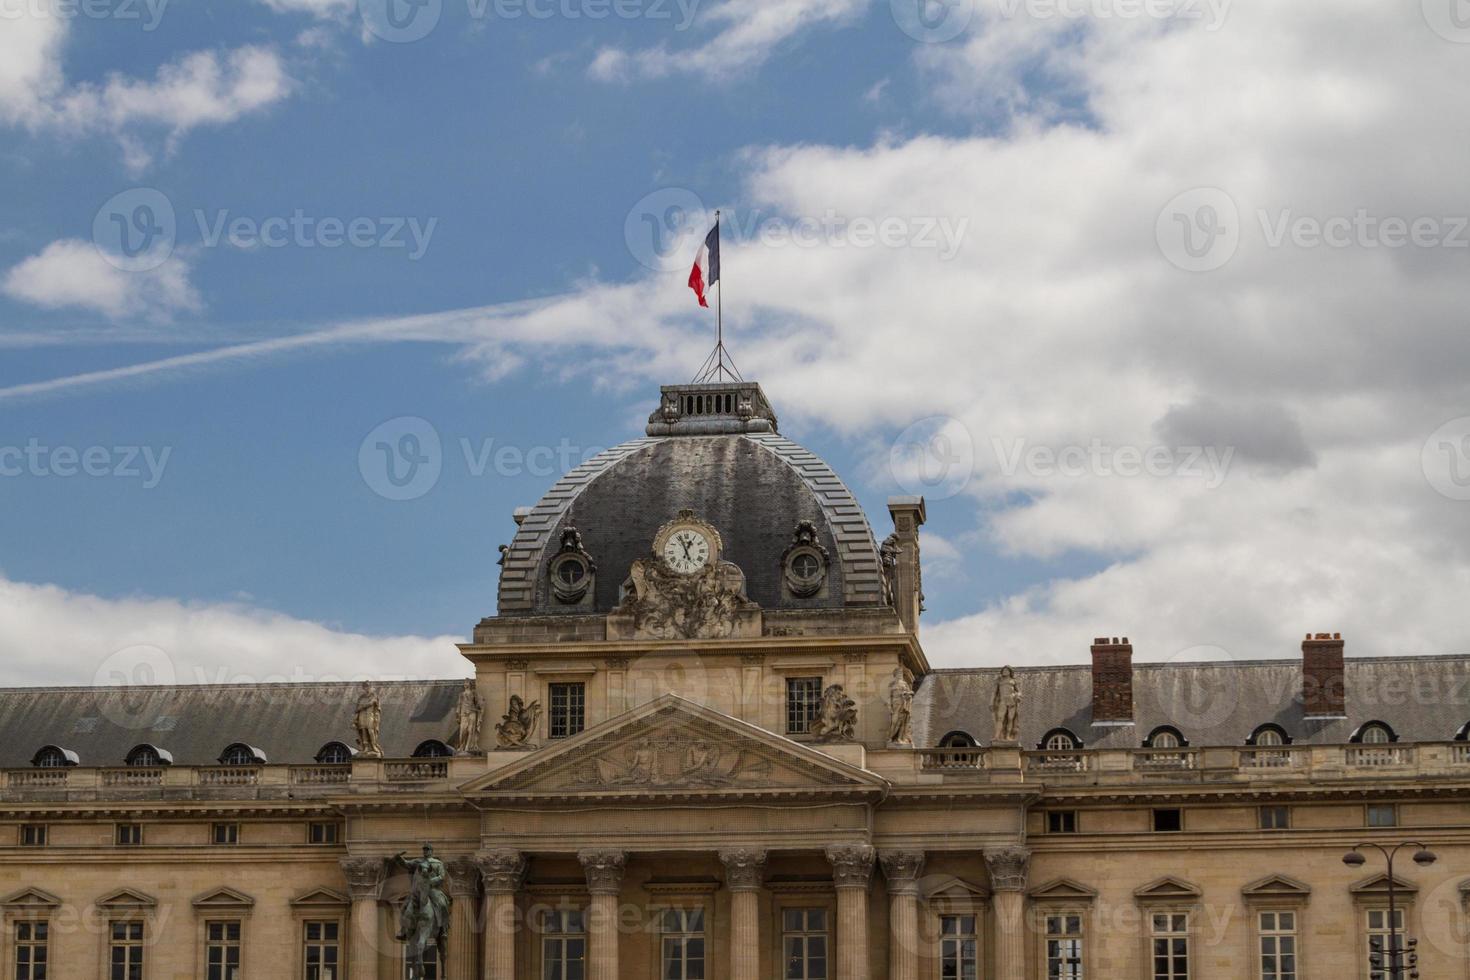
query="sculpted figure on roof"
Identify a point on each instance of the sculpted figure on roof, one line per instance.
(1005, 705)
(369, 722)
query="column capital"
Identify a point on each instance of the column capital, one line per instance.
(1009, 867)
(502, 871)
(852, 864)
(464, 877)
(745, 868)
(364, 875)
(604, 870)
(902, 870)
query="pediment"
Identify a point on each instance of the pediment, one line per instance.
(1276, 886)
(30, 898)
(674, 747)
(1063, 890)
(321, 898)
(1168, 889)
(1378, 884)
(126, 898)
(223, 897)
(950, 889)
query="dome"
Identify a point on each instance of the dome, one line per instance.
(712, 454)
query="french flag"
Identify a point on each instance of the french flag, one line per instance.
(706, 271)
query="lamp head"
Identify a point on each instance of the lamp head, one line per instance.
(1424, 858)
(1353, 859)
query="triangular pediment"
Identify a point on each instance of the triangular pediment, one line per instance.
(1378, 884)
(1168, 889)
(321, 898)
(948, 888)
(126, 898)
(1276, 886)
(30, 898)
(674, 747)
(1063, 890)
(223, 897)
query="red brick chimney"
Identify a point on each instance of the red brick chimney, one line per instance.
(1112, 681)
(1324, 691)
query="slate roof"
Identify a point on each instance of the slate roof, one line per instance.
(1423, 699)
(289, 723)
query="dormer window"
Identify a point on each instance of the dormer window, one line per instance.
(958, 740)
(1166, 737)
(54, 757)
(241, 754)
(1269, 736)
(804, 563)
(432, 749)
(1375, 733)
(1060, 740)
(334, 754)
(147, 756)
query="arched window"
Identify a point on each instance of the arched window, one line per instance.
(54, 757)
(1375, 733)
(1166, 737)
(1463, 735)
(149, 756)
(958, 740)
(1269, 736)
(432, 749)
(241, 754)
(1060, 740)
(334, 754)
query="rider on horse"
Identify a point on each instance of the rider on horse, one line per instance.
(428, 872)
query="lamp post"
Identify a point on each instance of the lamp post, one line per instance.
(1422, 857)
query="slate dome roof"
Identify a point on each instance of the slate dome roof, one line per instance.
(712, 449)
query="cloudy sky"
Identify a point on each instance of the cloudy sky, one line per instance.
(1161, 303)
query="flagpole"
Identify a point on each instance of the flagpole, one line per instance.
(720, 302)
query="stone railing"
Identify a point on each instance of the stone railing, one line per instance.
(1274, 757)
(38, 778)
(416, 771)
(1155, 760)
(339, 775)
(1075, 760)
(132, 778)
(953, 758)
(229, 776)
(1379, 756)
(1460, 753)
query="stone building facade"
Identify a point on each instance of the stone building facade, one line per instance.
(702, 740)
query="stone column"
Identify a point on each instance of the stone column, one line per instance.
(902, 870)
(852, 869)
(364, 877)
(1008, 868)
(502, 873)
(464, 889)
(745, 871)
(605, 883)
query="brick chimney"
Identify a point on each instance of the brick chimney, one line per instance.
(902, 550)
(1324, 690)
(1112, 681)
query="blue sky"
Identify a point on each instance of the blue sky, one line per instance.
(525, 153)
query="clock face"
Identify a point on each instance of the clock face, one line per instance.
(686, 551)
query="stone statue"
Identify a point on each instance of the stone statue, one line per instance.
(888, 558)
(1005, 706)
(469, 715)
(519, 723)
(663, 605)
(369, 722)
(901, 707)
(836, 719)
(424, 917)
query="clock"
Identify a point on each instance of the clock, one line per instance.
(687, 545)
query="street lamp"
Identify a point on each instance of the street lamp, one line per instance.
(1423, 857)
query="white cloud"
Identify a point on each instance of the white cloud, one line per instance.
(74, 274)
(53, 636)
(204, 88)
(747, 35)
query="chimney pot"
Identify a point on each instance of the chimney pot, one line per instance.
(1112, 681)
(1324, 687)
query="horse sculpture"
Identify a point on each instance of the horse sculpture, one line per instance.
(424, 919)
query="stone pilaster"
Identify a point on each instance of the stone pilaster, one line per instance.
(1009, 867)
(902, 870)
(745, 872)
(364, 878)
(464, 889)
(604, 870)
(502, 872)
(852, 870)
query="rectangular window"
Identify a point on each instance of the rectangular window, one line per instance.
(803, 701)
(1064, 947)
(958, 948)
(1168, 820)
(1169, 932)
(323, 950)
(1278, 945)
(129, 834)
(1383, 815)
(33, 835)
(126, 951)
(563, 945)
(682, 944)
(431, 964)
(1380, 942)
(1061, 821)
(1275, 818)
(804, 943)
(328, 832)
(222, 951)
(31, 949)
(225, 833)
(568, 709)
